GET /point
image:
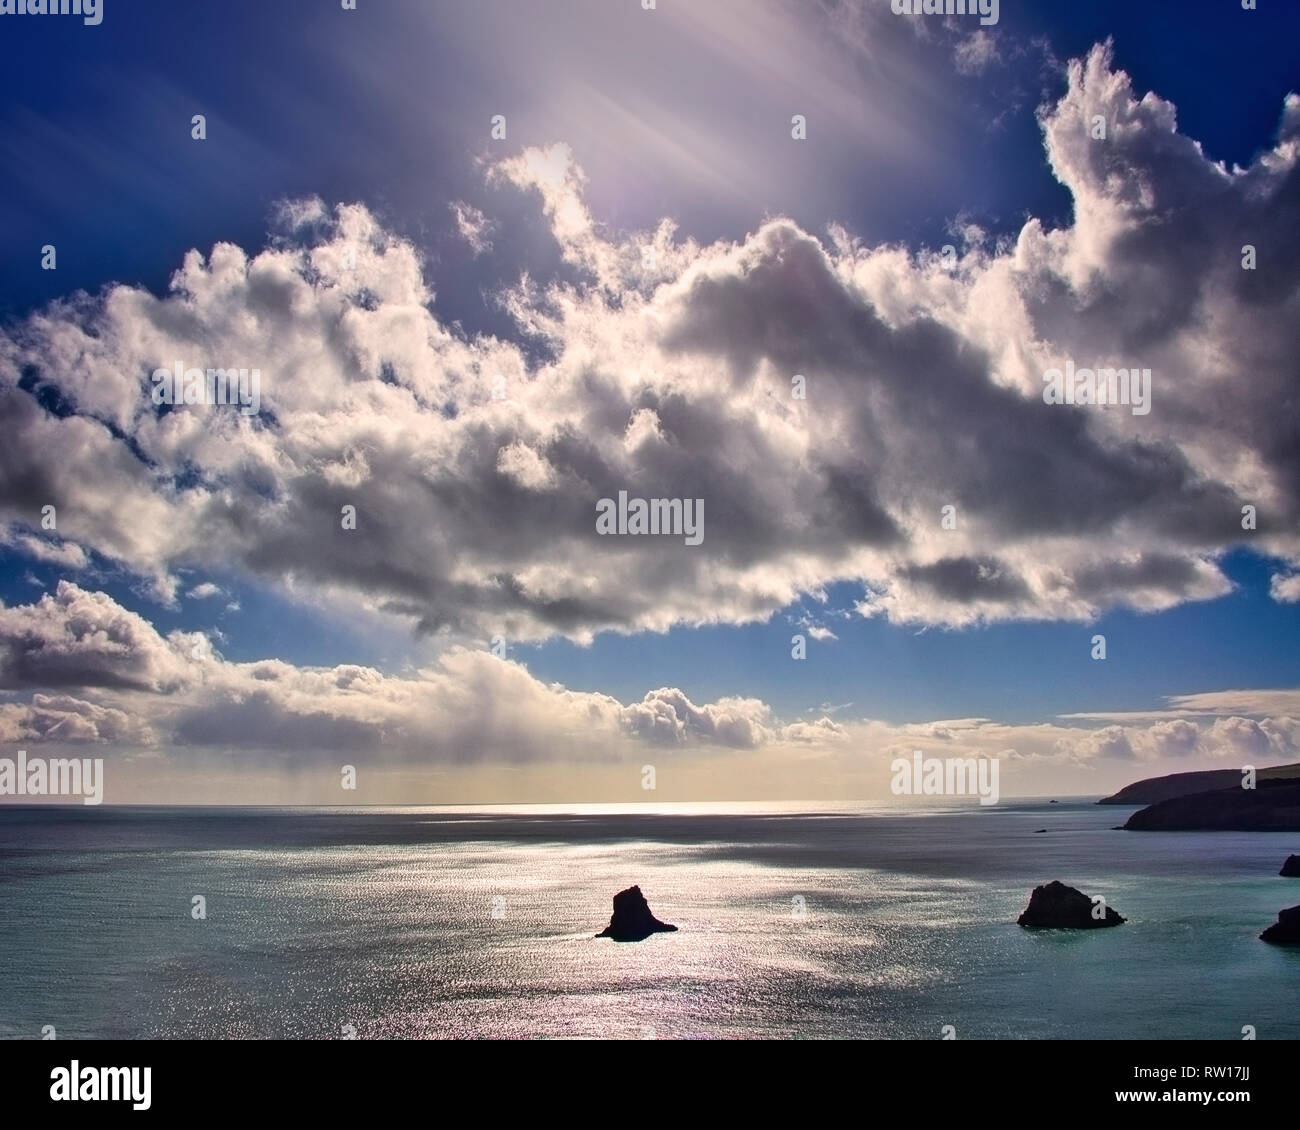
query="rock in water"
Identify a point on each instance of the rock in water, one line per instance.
(1286, 930)
(1291, 868)
(1058, 907)
(632, 920)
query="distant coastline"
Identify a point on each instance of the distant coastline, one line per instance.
(1227, 800)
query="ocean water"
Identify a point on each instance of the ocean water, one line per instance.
(436, 923)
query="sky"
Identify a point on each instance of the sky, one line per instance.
(800, 266)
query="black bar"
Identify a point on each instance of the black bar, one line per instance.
(336, 1079)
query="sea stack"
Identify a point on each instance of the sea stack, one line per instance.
(1291, 868)
(1286, 930)
(1058, 907)
(632, 920)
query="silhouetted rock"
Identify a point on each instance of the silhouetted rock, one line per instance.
(1058, 907)
(1273, 805)
(1291, 868)
(632, 920)
(1286, 930)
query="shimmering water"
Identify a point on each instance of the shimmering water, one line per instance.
(383, 919)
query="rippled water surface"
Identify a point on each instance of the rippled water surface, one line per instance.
(383, 919)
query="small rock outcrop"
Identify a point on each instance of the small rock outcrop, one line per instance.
(1286, 930)
(1291, 868)
(1058, 907)
(632, 920)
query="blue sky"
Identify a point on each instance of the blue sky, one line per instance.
(101, 115)
(921, 132)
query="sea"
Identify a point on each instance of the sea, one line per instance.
(794, 922)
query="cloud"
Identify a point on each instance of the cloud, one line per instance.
(474, 227)
(68, 720)
(1285, 587)
(1174, 738)
(179, 706)
(76, 638)
(468, 707)
(1110, 741)
(976, 52)
(667, 717)
(1238, 702)
(671, 376)
(1241, 737)
(203, 591)
(65, 554)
